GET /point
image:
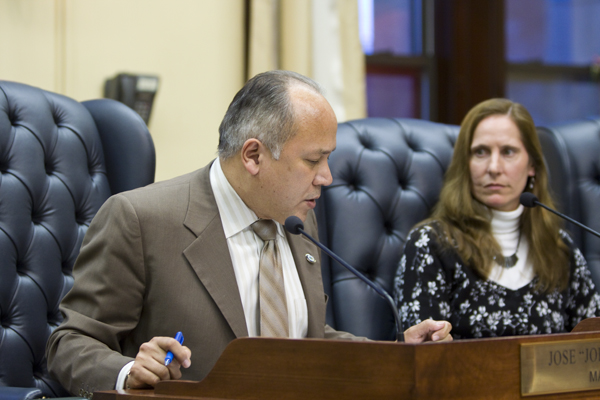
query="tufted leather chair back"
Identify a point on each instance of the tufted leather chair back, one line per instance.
(572, 152)
(387, 175)
(59, 161)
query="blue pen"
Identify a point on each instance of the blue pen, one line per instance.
(169, 357)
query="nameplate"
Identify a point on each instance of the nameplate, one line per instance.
(558, 367)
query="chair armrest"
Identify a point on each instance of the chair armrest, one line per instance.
(17, 393)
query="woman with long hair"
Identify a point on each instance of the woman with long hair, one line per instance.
(484, 262)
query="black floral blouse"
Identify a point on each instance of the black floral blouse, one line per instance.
(431, 283)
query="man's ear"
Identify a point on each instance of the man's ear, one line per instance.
(252, 155)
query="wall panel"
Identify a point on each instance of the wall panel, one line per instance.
(194, 46)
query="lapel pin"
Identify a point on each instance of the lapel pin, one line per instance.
(310, 258)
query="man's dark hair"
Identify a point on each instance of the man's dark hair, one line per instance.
(263, 110)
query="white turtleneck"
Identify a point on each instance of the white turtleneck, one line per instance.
(505, 228)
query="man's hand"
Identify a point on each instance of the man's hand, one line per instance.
(149, 366)
(429, 330)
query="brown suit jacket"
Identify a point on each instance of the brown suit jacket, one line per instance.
(153, 262)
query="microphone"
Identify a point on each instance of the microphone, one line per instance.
(529, 199)
(295, 226)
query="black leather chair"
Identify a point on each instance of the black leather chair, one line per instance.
(387, 175)
(572, 152)
(59, 161)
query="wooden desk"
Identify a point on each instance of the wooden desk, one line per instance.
(260, 368)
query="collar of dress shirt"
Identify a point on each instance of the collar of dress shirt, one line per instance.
(235, 214)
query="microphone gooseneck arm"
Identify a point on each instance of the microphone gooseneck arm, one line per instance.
(530, 200)
(571, 220)
(295, 226)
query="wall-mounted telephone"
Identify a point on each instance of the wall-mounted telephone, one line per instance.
(136, 91)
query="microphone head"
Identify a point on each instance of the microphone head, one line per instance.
(528, 199)
(293, 225)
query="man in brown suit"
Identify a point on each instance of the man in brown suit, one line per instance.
(165, 258)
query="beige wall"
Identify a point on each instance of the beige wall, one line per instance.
(194, 46)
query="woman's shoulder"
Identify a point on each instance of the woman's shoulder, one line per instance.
(430, 230)
(424, 228)
(430, 239)
(576, 256)
(566, 237)
(568, 240)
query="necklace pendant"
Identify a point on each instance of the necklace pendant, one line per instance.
(510, 261)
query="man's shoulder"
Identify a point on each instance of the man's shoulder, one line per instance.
(166, 196)
(169, 187)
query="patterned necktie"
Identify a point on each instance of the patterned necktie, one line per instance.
(273, 306)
